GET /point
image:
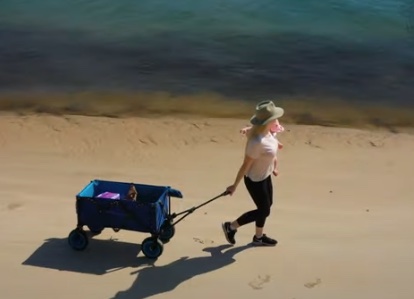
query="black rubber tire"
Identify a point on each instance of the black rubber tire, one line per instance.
(152, 247)
(78, 240)
(167, 232)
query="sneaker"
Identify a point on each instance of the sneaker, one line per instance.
(229, 233)
(264, 241)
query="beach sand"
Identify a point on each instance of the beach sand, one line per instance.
(342, 213)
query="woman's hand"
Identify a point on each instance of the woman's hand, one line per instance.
(245, 130)
(275, 172)
(231, 189)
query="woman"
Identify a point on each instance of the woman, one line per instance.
(258, 165)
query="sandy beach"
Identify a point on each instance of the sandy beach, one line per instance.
(342, 213)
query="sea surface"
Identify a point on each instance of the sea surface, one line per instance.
(360, 51)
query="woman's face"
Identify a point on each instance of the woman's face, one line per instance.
(273, 124)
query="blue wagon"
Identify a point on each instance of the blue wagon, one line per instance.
(105, 204)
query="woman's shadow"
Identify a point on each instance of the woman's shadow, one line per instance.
(154, 280)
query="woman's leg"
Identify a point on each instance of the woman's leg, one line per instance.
(260, 238)
(261, 193)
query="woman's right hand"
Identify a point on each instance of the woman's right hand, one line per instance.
(231, 189)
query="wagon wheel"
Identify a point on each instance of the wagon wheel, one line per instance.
(152, 247)
(167, 232)
(78, 239)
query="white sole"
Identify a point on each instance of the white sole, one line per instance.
(263, 245)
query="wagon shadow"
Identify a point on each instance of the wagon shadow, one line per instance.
(153, 280)
(55, 253)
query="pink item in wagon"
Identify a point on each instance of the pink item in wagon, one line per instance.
(109, 195)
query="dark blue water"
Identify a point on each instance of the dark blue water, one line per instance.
(355, 50)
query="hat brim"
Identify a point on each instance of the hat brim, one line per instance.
(278, 112)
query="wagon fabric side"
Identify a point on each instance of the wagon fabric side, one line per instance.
(146, 214)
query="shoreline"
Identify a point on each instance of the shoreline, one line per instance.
(298, 111)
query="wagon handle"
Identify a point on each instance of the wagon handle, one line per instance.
(191, 210)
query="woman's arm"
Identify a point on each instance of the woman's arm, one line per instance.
(275, 171)
(247, 162)
(245, 130)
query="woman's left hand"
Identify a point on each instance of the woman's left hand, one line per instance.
(275, 172)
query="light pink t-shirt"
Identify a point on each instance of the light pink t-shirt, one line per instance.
(263, 149)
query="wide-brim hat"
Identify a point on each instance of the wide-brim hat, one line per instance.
(266, 111)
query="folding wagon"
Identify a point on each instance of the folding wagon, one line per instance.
(105, 204)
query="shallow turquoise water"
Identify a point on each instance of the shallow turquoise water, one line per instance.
(359, 50)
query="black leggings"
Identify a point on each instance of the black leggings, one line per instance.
(262, 195)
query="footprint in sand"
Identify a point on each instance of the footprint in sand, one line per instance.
(259, 281)
(310, 285)
(205, 241)
(13, 206)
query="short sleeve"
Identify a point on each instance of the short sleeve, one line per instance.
(253, 149)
